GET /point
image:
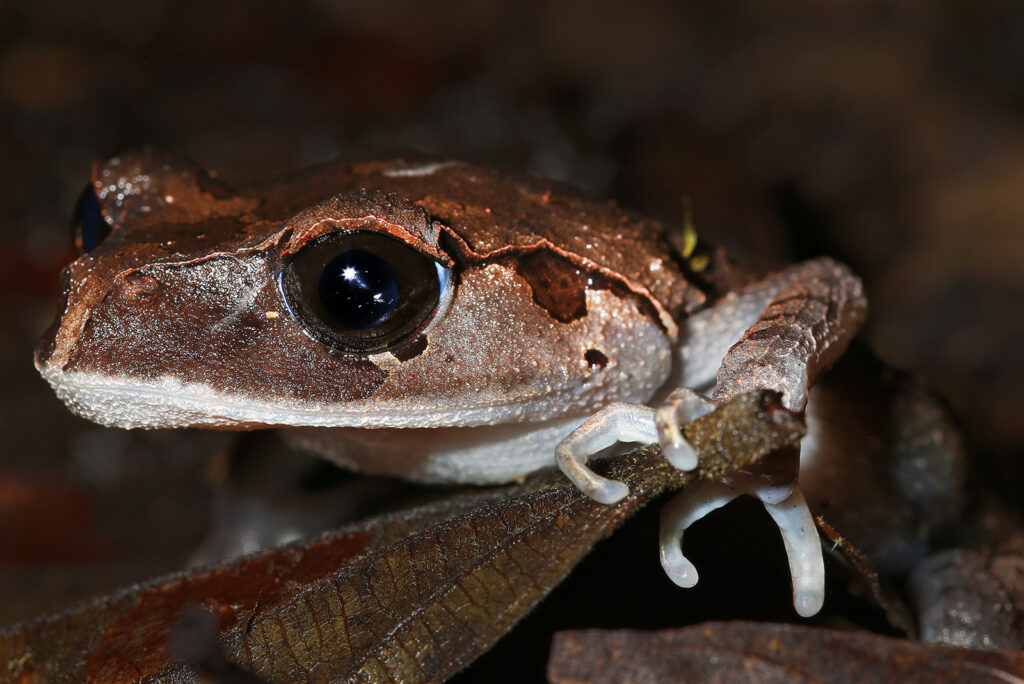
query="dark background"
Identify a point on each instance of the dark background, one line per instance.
(888, 135)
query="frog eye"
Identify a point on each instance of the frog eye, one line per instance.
(363, 291)
(91, 227)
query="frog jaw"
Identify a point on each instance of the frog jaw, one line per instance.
(166, 402)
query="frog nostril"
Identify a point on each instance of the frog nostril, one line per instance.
(595, 358)
(138, 286)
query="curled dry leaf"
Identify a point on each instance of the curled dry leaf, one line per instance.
(880, 593)
(766, 653)
(408, 597)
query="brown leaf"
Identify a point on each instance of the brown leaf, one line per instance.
(410, 597)
(762, 652)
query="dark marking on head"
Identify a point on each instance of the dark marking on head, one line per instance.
(411, 349)
(595, 358)
(558, 286)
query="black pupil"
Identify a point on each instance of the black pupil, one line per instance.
(359, 289)
(90, 226)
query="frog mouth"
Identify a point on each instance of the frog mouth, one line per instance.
(167, 402)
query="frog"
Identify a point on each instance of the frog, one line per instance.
(440, 321)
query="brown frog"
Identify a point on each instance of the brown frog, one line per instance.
(440, 321)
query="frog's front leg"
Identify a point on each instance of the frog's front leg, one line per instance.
(796, 323)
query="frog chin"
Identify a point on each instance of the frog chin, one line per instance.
(167, 402)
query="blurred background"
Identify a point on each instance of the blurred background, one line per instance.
(886, 134)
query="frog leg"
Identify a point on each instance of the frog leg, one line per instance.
(813, 312)
(804, 316)
(807, 316)
(797, 323)
(707, 337)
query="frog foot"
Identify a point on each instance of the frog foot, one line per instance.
(618, 422)
(788, 509)
(623, 422)
(777, 490)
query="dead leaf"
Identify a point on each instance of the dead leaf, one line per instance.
(766, 653)
(410, 597)
(881, 594)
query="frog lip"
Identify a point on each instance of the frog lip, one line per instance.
(167, 402)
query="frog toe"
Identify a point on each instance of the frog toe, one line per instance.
(679, 408)
(678, 567)
(686, 508)
(608, 491)
(679, 453)
(803, 549)
(600, 489)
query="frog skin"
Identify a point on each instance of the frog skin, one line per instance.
(526, 324)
